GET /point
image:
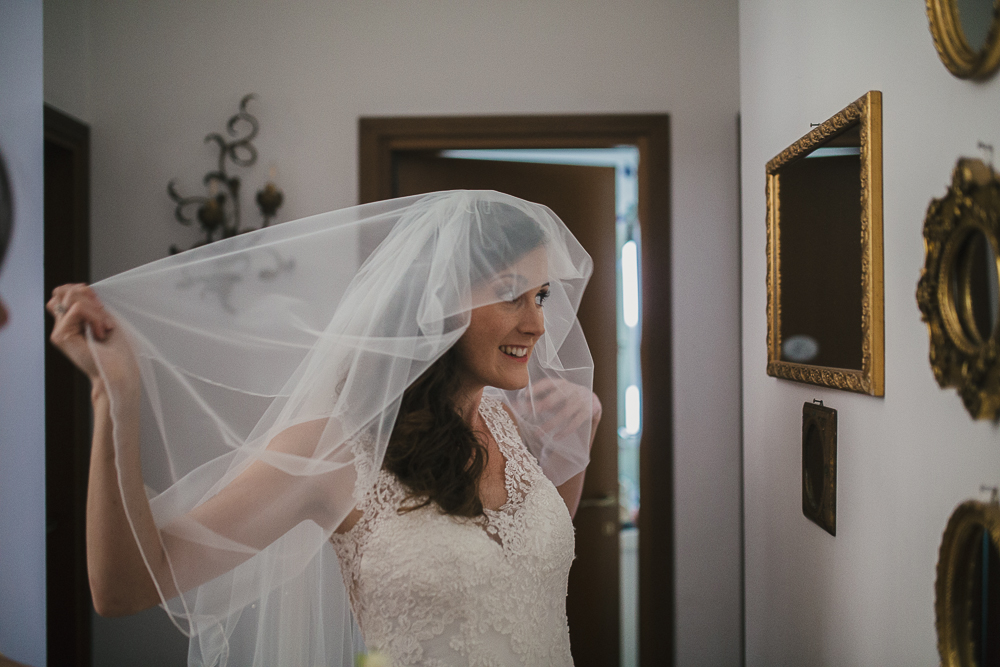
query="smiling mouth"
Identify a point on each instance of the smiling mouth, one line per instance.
(515, 351)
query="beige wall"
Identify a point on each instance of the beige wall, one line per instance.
(161, 75)
(864, 597)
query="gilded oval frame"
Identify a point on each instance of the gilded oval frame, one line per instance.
(952, 46)
(952, 586)
(971, 204)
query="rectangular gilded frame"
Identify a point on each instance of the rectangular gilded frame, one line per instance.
(865, 114)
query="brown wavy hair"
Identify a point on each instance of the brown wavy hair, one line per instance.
(432, 450)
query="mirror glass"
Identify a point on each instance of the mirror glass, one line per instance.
(975, 17)
(985, 600)
(974, 287)
(812, 453)
(819, 226)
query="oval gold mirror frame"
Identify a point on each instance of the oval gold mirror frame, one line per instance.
(953, 588)
(970, 363)
(953, 47)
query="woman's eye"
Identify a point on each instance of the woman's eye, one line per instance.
(541, 297)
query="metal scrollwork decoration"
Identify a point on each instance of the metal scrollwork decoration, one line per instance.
(966, 35)
(218, 212)
(959, 291)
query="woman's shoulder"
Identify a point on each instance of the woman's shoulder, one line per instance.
(496, 405)
(386, 493)
(498, 414)
(503, 424)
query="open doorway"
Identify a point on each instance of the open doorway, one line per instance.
(67, 395)
(405, 156)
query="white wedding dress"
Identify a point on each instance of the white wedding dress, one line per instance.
(438, 590)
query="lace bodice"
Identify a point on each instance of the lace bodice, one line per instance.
(438, 590)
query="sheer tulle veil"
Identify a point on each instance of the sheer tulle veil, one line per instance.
(272, 366)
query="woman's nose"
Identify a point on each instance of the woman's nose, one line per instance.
(533, 321)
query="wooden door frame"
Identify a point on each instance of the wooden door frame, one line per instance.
(380, 138)
(67, 426)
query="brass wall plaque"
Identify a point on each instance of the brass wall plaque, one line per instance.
(819, 465)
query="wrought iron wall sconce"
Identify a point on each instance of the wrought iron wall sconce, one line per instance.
(218, 213)
(959, 290)
(819, 465)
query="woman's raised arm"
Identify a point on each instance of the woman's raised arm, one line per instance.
(256, 508)
(119, 579)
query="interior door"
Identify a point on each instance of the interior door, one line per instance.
(67, 396)
(584, 198)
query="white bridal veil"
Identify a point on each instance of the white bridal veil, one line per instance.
(272, 367)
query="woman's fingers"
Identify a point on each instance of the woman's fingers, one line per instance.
(74, 322)
(76, 309)
(566, 404)
(571, 417)
(86, 309)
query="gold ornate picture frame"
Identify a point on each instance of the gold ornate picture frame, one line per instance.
(959, 289)
(967, 586)
(968, 56)
(861, 123)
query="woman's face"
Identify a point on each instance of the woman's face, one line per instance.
(495, 349)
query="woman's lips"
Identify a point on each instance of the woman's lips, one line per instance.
(519, 353)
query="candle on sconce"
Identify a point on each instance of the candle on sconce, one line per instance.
(270, 197)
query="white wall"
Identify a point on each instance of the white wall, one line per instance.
(864, 597)
(67, 35)
(165, 74)
(22, 341)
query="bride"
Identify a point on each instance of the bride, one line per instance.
(405, 382)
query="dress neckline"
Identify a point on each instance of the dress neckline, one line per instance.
(494, 416)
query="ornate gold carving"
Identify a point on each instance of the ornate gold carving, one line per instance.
(953, 603)
(959, 357)
(866, 112)
(953, 47)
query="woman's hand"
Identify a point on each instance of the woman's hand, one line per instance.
(76, 308)
(568, 405)
(120, 582)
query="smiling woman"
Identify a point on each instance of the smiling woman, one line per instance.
(434, 450)
(427, 406)
(498, 343)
